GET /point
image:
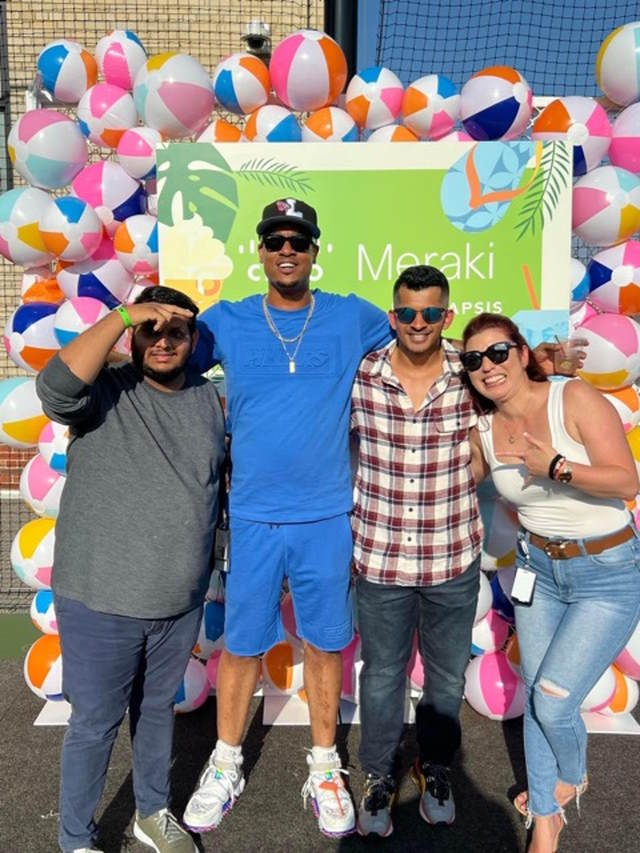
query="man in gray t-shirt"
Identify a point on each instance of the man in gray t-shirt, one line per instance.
(133, 544)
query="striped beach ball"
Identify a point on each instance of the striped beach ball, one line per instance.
(21, 211)
(489, 634)
(493, 688)
(601, 693)
(52, 445)
(41, 487)
(136, 152)
(330, 124)
(431, 106)
(21, 416)
(579, 280)
(111, 192)
(32, 552)
(457, 136)
(496, 103)
(626, 402)
(173, 94)
(43, 668)
(42, 612)
(221, 131)
(308, 70)
(625, 140)
(136, 244)
(618, 65)
(628, 661)
(272, 123)
(210, 636)
(76, 315)
(71, 229)
(40, 285)
(606, 206)
(613, 353)
(393, 133)
(241, 83)
(583, 123)
(282, 667)
(485, 598)
(194, 688)
(106, 280)
(47, 148)
(105, 111)
(374, 97)
(29, 337)
(626, 695)
(614, 278)
(67, 70)
(120, 55)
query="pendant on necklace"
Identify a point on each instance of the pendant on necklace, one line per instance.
(512, 439)
(292, 366)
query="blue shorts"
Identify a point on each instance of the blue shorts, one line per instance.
(315, 557)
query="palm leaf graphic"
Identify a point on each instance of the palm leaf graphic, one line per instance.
(269, 172)
(541, 198)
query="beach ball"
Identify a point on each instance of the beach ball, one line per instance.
(606, 206)
(67, 70)
(52, 446)
(579, 280)
(493, 689)
(330, 124)
(241, 83)
(628, 661)
(104, 113)
(40, 285)
(106, 280)
(140, 285)
(613, 353)
(512, 652)
(618, 65)
(76, 315)
(625, 697)
(579, 313)
(111, 192)
(625, 140)
(29, 338)
(42, 612)
(136, 152)
(485, 598)
(601, 693)
(272, 123)
(194, 688)
(221, 131)
(21, 210)
(500, 522)
(32, 552)
(21, 415)
(614, 278)
(173, 94)
(71, 229)
(501, 586)
(308, 70)
(351, 666)
(43, 667)
(457, 136)
(393, 133)
(415, 668)
(282, 668)
(41, 487)
(47, 148)
(489, 634)
(626, 402)
(583, 123)
(211, 668)
(496, 103)
(210, 637)
(288, 615)
(120, 56)
(431, 106)
(374, 97)
(136, 244)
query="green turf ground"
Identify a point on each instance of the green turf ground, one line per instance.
(16, 635)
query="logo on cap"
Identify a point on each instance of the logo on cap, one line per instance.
(287, 206)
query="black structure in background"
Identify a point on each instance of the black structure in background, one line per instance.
(341, 23)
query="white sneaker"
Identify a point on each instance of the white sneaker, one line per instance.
(330, 800)
(219, 786)
(87, 850)
(437, 805)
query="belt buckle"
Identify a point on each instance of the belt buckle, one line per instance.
(555, 549)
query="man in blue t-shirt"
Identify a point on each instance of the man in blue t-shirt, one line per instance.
(290, 358)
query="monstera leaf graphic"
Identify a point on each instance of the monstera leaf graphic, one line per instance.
(196, 179)
(542, 196)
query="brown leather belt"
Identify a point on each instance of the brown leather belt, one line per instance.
(565, 549)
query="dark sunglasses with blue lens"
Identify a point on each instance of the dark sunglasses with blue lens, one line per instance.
(497, 353)
(431, 314)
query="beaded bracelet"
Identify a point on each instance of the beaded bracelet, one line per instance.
(552, 465)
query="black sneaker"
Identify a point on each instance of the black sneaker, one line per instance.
(374, 815)
(436, 800)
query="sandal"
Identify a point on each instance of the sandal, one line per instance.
(521, 800)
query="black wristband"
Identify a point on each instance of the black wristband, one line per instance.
(553, 463)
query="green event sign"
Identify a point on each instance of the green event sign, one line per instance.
(494, 216)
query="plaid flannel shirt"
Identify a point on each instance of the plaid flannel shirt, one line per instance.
(416, 520)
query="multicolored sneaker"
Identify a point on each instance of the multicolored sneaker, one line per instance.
(219, 786)
(330, 800)
(436, 800)
(374, 814)
(162, 833)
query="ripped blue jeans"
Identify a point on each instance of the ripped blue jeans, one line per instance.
(584, 610)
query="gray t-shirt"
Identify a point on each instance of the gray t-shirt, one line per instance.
(138, 511)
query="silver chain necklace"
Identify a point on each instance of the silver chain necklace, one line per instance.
(284, 341)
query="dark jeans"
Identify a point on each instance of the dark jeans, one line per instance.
(111, 663)
(388, 616)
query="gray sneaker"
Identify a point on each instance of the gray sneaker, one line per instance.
(374, 814)
(436, 800)
(162, 832)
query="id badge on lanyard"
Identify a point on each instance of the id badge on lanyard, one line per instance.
(525, 580)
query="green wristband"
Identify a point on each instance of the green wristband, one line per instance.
(124, 315)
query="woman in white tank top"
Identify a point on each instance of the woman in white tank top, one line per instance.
(558, 452)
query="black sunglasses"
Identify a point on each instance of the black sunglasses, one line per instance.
(429, 315)
(298, 242)
(497, 353)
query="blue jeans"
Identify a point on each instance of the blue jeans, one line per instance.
(388, 617)
(111, 663)
(583, 612)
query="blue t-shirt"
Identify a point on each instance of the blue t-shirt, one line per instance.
(290, 445)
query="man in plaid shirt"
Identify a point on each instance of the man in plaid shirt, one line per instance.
(417, 541)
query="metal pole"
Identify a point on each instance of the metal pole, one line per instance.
(341, 23)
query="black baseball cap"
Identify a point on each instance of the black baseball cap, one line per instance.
(289, 213)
